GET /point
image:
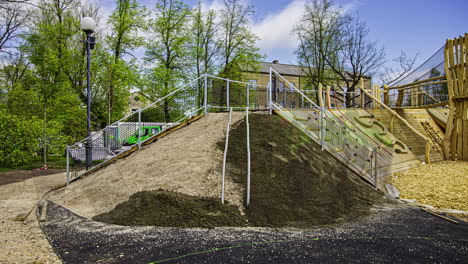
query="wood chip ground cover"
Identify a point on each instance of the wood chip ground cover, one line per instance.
(440, 184)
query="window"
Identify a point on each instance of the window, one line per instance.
(253, 84)
(281, 86)
(291, 88)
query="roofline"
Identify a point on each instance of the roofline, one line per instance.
(364, 76)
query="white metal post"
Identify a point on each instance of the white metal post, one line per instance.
(248, 96)
(322, 128)
(67, 177)
(227, 93)
(139, 128)
(374, 153)
(225, 154)
(248, 157)
(206, 94)
(270, 88)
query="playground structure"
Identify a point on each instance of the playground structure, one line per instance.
(456, 68)
(375, 140)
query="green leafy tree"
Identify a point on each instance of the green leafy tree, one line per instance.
(237, 49)
(18, 139)
(167, 50)
(51, 53)
(237, 40)
(204, 48)
(127, 20)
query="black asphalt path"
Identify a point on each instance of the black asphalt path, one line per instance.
(394, 233)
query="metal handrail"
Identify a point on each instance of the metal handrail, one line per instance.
(386, 107)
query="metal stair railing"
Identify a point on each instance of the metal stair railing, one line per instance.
(351, 147)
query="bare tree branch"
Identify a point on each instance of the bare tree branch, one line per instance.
(12, 19)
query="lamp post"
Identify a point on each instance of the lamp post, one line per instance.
(88, 25)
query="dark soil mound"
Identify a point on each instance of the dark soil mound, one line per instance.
(171, 209)
(294, 182)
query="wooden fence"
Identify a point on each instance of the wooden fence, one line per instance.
(456, 68)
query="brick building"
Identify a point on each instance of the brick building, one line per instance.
(294, 75)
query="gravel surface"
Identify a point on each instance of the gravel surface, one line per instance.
(23, 241)
(185, 161)
(394, 233)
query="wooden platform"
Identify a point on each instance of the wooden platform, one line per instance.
(439, 115)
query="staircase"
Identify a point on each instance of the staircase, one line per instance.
(359, 148)
(414, 117)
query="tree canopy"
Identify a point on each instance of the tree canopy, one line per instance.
(43, 63)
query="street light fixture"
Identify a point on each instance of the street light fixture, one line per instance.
(88, 25)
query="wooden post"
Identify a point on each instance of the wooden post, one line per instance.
(428, 152)
(386, 95)
(362, 93)
(392, 122)
(376, 93)
(455, 144)
(400, 96)
(328, 97)
(379, 93)
(320, 95)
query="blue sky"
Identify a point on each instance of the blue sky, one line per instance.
(414, 26)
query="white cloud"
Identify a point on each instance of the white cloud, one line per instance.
(216, 5)
(275, 30)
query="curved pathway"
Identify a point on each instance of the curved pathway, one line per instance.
(394, 233)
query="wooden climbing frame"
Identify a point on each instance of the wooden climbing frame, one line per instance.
(456, 68)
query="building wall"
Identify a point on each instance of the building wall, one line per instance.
(264, 78)
(298, 82)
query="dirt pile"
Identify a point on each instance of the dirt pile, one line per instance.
(170, 209)
(185, 161)
(294, 182)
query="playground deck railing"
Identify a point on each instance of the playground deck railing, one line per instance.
(426, 93)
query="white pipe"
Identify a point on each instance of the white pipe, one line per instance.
(225, 154)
